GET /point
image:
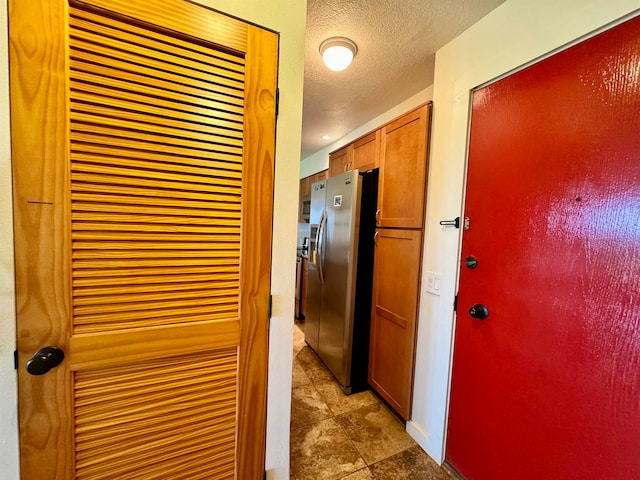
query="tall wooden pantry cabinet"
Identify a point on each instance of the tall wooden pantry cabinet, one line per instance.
(399, 234)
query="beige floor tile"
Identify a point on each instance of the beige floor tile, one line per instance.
(308, 359)
(411, 464)
(375, 432)
(340, 403)
(318, 374)
(322, 451)
(364, 474)
(307, 406)
(298, 339)
(298, 376)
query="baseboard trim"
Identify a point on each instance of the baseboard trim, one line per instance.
(427, 443)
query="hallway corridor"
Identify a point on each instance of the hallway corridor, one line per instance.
(353, 437)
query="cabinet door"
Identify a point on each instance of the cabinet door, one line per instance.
(340, 161)
(305, 189)
(393, 322)
(366, 152)
(403, 167)
(323, 175)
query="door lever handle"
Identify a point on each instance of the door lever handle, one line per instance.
(44, 360)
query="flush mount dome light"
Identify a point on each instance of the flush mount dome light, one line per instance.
(337, 52)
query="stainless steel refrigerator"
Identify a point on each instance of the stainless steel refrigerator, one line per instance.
(341, 246)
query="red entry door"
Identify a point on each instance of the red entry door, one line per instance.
(548, 385)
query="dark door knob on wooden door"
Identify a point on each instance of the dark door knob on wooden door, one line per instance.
(479, 311)
(44, 360)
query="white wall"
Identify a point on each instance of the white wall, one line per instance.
(288, 18)
(8, 382)
(515, 33)
(320, 160)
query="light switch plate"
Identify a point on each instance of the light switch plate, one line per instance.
(432, 285)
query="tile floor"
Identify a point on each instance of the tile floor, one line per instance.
(354, 437)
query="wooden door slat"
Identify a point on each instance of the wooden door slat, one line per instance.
(111, 299)
(162, 316)
(127, 263)
(122, 288)
(157, 210)
(174, 125)
(85, 277)
(94, 29)
(155, 60)
(118, 24)
(161, 106)
(158, 178)
(118, 154)
(152, 137)
(102, 236)
(153, 166)
(172, 100)
(229, 203)
(84, 142)
(103, 227)
(87, 62)
(116, 323)
(144, 218)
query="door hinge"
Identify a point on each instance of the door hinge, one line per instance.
(455, 303)
(277, 102)
(270, 305)
(15, 359)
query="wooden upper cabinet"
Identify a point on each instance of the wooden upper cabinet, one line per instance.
(323, 175)
(305, 189)
(341, 161)
(366, 152)
(403, 168)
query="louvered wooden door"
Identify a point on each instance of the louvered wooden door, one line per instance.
(143, 139)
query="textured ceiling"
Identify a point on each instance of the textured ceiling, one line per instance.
(397, 41)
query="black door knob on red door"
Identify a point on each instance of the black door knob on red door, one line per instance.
(44, 360)
(479, 311)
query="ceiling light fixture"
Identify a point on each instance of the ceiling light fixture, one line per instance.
(325, 137)
(337, 52)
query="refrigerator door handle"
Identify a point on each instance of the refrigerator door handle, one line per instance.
(320, 243)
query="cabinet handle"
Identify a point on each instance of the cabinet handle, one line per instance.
(377, 216)
(375, 237)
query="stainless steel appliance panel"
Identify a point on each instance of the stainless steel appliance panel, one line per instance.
(337, 263)
(314, 285)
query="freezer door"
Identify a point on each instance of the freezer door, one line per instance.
(338, 260)
(314, 290)
(318, 200)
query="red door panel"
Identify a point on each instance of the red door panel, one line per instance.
(548, 386)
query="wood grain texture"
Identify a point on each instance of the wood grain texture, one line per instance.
(341, 160)
(99, 350)
(366, 152)
(255, 270)
(184, 18)
(403, 170)
(118, 432)
(39, 124)
(394, 316)
(144, 212)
